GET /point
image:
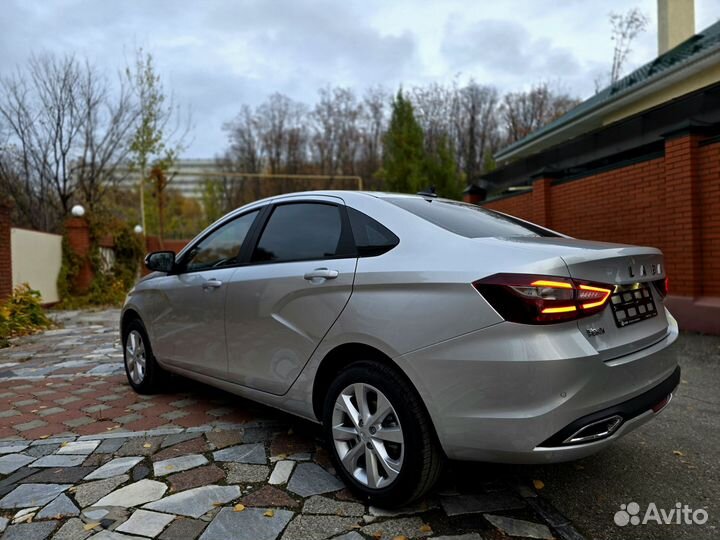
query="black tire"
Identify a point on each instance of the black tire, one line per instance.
(423, 459)
(154, 376)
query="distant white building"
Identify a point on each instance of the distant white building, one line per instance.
(187, 176)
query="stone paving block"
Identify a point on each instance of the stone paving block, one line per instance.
(196, 445)
(90, 492)
(467, 536)
(201, 476)
(78, 447)
(55, 460)
(60, 475)
(27, 495)
(67, 400)
(177, 438)
(243, 473)
(145, 523)
(41, 450)
(26, 402)
(139, 472)
(112, 535)
(250, 524)
(115, 467)
(269, 496)
(518, 527)
(109, 446)
(30, 531)
(183, 529)
(139, 446)
(311, 479)
(323, 505)
(281, 472)
(79, 421)
(411, 527)
(73, 529)
(13, 447)
(243, 453)
(51, 411)
(317, 527)
(177, 464)
(12, 462)
(126, 419)
(174, 415)
(195, 502)
(32, 424)
(92, 409)
(135, 494)
(223, 439)
(61, 507)
(9, 412)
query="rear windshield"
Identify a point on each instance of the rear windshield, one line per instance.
(466, 219)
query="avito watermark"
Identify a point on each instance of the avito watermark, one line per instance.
(680, 514)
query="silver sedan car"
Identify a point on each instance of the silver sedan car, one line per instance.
(414, 329)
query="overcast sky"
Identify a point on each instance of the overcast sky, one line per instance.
(216, 55)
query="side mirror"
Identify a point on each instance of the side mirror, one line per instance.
(160, 261)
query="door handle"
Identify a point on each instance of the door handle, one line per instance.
(211, 283)
(321, 273)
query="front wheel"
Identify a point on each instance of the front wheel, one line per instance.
(380, 436)
(142, 370)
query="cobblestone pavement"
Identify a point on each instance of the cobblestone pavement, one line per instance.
(83, 456)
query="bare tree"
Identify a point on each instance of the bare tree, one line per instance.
(476, 127)
(245, 152)
(524, 112)
(625, 28)
(66, 134)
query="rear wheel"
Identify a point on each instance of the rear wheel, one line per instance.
(142, 370)
(380, 436)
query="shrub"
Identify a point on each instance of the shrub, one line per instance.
(22, 314)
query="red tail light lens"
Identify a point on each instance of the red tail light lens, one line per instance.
(532, 299)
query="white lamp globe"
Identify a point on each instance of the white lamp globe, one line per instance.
(77, 211)
(138, 229)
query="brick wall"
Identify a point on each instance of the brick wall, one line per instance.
(77, 230)
(5, 251)
(672, 203)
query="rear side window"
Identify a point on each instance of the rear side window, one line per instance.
(371, 237)
(466, 219)
(301, 232)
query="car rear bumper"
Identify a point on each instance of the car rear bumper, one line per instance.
(513, 393)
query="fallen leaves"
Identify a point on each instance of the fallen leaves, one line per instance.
(90, 526)
(539, 484)
(269, 513)
(678, 453)
(425, 528)
(239, 507)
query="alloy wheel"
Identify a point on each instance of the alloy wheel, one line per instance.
(367, 435)
(135, 358)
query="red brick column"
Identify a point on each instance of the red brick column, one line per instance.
(77, 230)
(682, 239)
(541, 201)
(5, 251)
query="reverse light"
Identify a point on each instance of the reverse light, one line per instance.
(532, 299)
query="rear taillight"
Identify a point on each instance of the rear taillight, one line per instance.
(532, 299)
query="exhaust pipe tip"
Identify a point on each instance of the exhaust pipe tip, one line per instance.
(599, 429)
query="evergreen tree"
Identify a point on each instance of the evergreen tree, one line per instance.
(441, 171)
(403, 157)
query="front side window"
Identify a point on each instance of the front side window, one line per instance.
(301, 232)
(222, 247)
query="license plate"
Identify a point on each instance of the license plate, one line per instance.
(632, 304)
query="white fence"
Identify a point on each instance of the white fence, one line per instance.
(36, 260)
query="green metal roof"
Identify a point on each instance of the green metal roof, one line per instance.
(684, 53)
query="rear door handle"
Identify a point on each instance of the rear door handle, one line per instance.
(321, 273)
(211, 283)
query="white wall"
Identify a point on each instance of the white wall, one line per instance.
(36, 259)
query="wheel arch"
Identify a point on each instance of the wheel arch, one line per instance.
(129, 315)
(342, 356)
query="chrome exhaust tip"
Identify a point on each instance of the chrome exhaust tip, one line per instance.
(595, 430)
